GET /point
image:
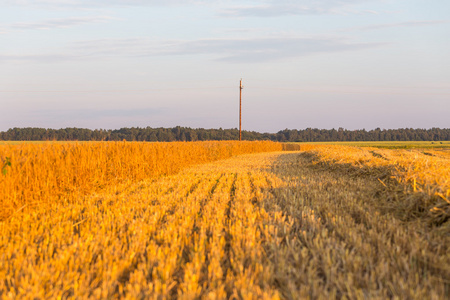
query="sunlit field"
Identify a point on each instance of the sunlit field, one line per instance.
(376, 144)
(54, 173)
(220, 220)
(27, 142)
(389, 145)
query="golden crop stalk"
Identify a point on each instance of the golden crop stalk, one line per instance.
(179, 221)
(37, 174)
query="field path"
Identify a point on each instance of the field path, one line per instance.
(258, 226)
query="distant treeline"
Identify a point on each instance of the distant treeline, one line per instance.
(199, 134)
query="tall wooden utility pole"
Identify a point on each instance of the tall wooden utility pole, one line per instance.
(240, 110)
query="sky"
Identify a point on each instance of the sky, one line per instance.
(318, 63)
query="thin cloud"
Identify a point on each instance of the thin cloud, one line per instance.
(242, 30)
(41, 58)
(94, 3)
(286, 8)
(264, 49)
(254, 50)
(271, 10)
(57, 23)
(396, 25)
(99, 113)
(233, 8)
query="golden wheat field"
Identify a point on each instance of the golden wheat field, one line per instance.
(223, 220)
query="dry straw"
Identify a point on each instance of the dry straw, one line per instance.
(420, 178)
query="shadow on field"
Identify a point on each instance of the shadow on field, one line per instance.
(339, 239)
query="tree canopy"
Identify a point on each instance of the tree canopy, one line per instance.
(200, 134)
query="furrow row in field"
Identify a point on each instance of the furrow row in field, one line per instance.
(195, 234)
(260, 226)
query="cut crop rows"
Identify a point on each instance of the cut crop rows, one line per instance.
(287, 225)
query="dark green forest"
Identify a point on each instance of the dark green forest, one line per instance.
(199, 134)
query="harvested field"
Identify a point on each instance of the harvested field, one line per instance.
(287, 225)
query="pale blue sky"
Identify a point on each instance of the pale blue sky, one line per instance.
(323, 63)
